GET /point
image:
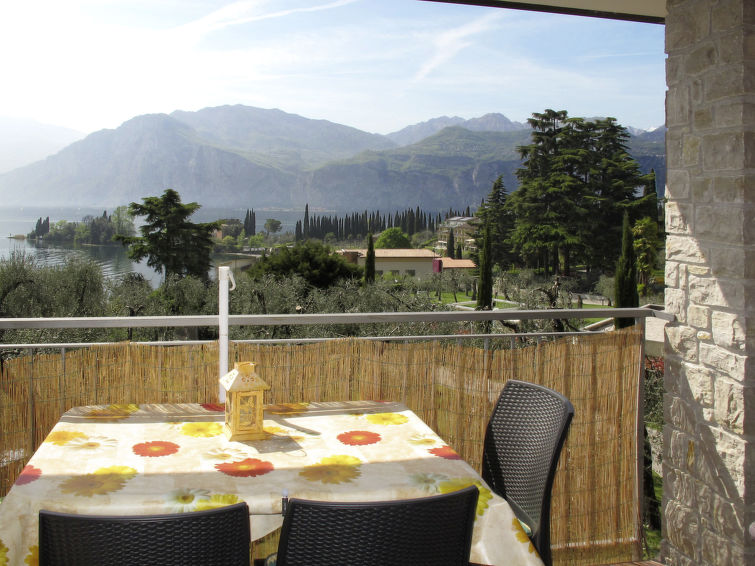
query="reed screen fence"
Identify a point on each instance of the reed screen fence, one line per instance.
(452, 387)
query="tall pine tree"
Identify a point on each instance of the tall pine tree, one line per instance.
(494, 214)
(171, 243)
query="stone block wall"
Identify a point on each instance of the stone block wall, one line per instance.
(709, 438)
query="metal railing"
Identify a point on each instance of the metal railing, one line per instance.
(321, 319)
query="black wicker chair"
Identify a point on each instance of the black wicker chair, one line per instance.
(523, 442)
(213, 537)
(431, 531)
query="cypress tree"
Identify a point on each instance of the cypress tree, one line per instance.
(458, 251)
(305, 228)
(625, 284)
(298, 233)
(369, 261)
(450, 245)
(485, 294)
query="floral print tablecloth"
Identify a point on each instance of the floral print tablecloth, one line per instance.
(146, 459)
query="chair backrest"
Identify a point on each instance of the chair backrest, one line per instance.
(523, 442)
(214, 536)
(432, 531)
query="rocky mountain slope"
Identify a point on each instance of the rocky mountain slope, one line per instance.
(238, 156)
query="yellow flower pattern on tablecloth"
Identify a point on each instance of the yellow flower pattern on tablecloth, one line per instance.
(275, 430)
(521, 535)
(202, 430)
(387, 418)
(225, 454)
(287, 408)
(333, 469)
(101, 481)
(185, 499)
(115, 411)
(63, 437)
(456, 484)
(424, 440)
(92, 442)
(217, 500)
(3, 554)
(32, 559)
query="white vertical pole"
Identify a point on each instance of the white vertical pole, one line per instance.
(223, 275)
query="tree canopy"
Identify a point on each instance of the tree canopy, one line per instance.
(272, 226)
(171, 244)
(494, 214)
(393, 238)
(576, 182)
(311, 260)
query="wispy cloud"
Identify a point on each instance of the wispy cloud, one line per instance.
(377, 65)
(247, 11)
(449, 43)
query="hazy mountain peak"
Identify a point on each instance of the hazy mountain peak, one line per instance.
(302, 141)
(492, 122)
(25, 141)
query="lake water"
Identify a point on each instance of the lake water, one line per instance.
(112, 259)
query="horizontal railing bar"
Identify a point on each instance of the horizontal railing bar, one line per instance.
(412, 338)
(309, 319)
(53, 345)
(109, 322)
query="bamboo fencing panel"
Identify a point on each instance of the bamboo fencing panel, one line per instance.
(453, 388)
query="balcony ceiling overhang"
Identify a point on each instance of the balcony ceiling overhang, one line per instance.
(649, 11)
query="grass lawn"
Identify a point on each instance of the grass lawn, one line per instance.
(448, 298)
(586, 321)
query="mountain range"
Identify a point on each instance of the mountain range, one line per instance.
(26, 141)
(245, 157)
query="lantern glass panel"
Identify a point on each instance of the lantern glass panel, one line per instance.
(228, 410)
(247, 410)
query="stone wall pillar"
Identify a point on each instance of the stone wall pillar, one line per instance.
(709, 438)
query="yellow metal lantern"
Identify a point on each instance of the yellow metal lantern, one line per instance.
(243, 402)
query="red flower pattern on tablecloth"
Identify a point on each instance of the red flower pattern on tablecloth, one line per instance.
(28, 475)
(155, 448)
(250, 467)
(216, 407)
(445, 452)
(359, 437)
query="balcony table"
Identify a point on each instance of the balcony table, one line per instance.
(146, 459)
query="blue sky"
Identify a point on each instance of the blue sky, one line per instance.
(377, 65)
